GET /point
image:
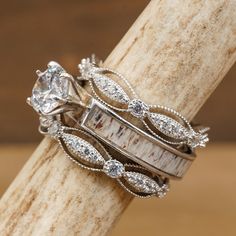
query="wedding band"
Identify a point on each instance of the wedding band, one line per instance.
(134, 143)
(84, 150)
(51, 95)
(162, 122)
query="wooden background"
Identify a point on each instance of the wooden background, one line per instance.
(34, 32)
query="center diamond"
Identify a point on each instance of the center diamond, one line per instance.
(138, 108)
(50, 89)
(114, 168)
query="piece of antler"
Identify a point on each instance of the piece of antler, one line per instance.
(175, 54)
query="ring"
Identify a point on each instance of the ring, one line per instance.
(84, 150)
(148, 156)
(52, 95)
(162, 122)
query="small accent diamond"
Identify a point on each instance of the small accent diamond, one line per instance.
(54, 129)
(162, 191)
(197, 140)
(114, 168)
(82, 148)
(86, 68)
(142, 182)
(138, 108)
(110, 88)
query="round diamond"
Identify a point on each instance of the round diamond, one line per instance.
(114, 168)
(197, 140)
(86, 151)
(138, 108)
(54, 129)
(86, 68)
(162, 191)
(49, 89)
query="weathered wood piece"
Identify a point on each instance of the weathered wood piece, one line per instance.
(175, 54)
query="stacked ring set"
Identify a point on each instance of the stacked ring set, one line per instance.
(103, 126)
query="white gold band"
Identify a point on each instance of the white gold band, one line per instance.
(58, 95)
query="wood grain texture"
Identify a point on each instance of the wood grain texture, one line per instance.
(175, 54)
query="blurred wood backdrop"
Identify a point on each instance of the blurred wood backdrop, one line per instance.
(34, 32)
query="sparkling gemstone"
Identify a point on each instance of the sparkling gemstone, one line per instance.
(86, 151)
(138, 108)
(49, 89)
(110, 88)
(54, 129)
(163, 191)
(114, 168)
(86, 68)
(141, 182)
(197, 140)
(168, 126)
(82, 148)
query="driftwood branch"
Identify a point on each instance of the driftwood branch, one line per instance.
(175, 54)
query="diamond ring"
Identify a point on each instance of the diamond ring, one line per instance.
(87, 124)
(56, 91)
(162, 122)
(84, 150)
